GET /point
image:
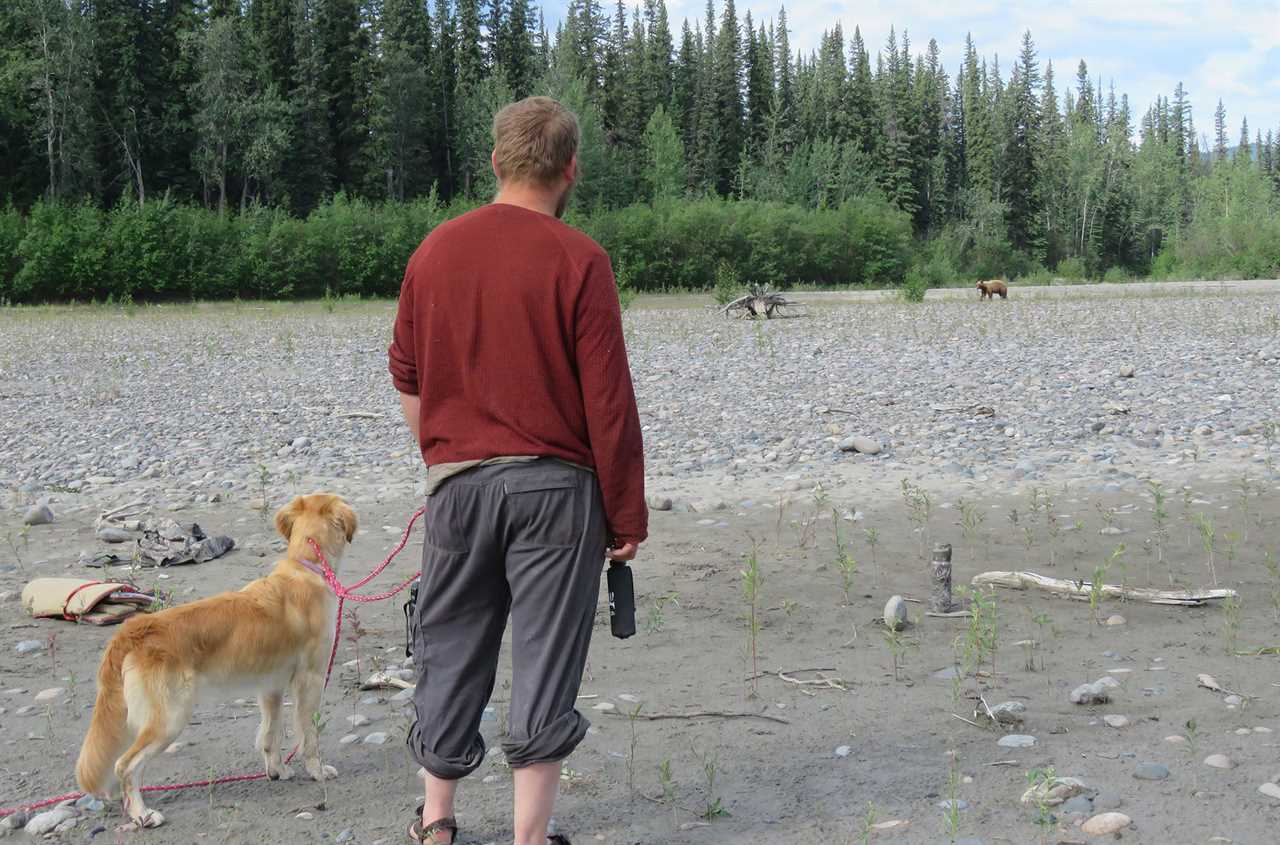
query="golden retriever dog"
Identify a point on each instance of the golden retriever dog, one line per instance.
(273, 635)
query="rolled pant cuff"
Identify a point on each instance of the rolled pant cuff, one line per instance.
(550, 745)
(446, 768)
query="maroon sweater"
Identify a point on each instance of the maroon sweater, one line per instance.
(510, 333)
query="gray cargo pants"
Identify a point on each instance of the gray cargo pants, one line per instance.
(528, 539)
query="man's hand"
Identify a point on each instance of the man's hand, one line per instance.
(410, 406)
(626, 552)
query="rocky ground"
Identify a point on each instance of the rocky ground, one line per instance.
(1027, 432)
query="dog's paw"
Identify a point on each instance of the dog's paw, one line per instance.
(319, 772)
(279, 771)
(148, 818)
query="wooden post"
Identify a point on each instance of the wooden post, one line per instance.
(940, 599)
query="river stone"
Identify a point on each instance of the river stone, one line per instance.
(1127, 371)
(51, 694)
(1106, 824)
(1016, 741)
(1219, 761)
(1094, 693)
(863, 445)
(1115, 721)
(111, 534)
(659, 503)
(29, 646)
(1151, 771)
(38, 515)
(895, 613)
(1082, 804)
(43, 823)
(1271, 790)
(376, 738)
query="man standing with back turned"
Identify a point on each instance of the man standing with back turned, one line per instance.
(509, 359)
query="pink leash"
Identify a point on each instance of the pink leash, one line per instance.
(343, 593)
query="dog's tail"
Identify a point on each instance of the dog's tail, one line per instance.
(109, 728)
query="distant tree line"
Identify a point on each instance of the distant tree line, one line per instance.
(244, 107)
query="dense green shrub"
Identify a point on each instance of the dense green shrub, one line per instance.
(63, 254)
(1072, 269)
(162, 250)
(12, 226)
(681, 244)
(914, 287)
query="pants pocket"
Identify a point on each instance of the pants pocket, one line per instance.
(544, 509)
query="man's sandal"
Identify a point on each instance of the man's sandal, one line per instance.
(426, 834)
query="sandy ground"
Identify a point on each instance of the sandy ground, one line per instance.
(827, 758)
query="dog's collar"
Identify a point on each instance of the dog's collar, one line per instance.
(313, 566)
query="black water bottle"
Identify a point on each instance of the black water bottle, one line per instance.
(622, 600)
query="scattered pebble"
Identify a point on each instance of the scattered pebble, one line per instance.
(863, 445)
(1151, 771)
(38, 515)
(1219, 761)
(47, 822)
(1115, 620)
(345, 836)
(29, 647)
(1233, 700)
(1016, 741)
(376, 738)
(304, 816)
(660, 503)
(358, 720)
(348, 739)
(605, 706)
(895, 613)
(48, 695)
(960, 804)
(1176, 739)
(843, 751)
(111, 534)
(1106, 824)
(629, 698)
(1094, 693)
(1271, 790)
(1116, 721)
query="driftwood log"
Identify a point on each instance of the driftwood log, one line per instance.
(1082, 589)
(758, 302)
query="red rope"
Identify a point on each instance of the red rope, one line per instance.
(343, 593)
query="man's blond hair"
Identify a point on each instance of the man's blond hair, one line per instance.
(534, 140)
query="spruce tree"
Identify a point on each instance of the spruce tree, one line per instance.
(1220, 133)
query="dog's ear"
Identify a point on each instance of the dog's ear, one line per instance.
(286, 515)
(346, 518)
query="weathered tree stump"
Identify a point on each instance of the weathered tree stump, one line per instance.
(759, 302)
(940, 599)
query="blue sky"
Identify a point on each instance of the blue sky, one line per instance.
(1228, 49)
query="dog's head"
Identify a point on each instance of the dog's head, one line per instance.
(322, 517)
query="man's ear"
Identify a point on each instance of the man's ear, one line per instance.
(571, 171)
(286, 515)
(493, 162)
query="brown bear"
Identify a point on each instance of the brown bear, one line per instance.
(994, 286)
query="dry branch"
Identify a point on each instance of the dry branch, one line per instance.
(1081, 589)
(699, 714)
